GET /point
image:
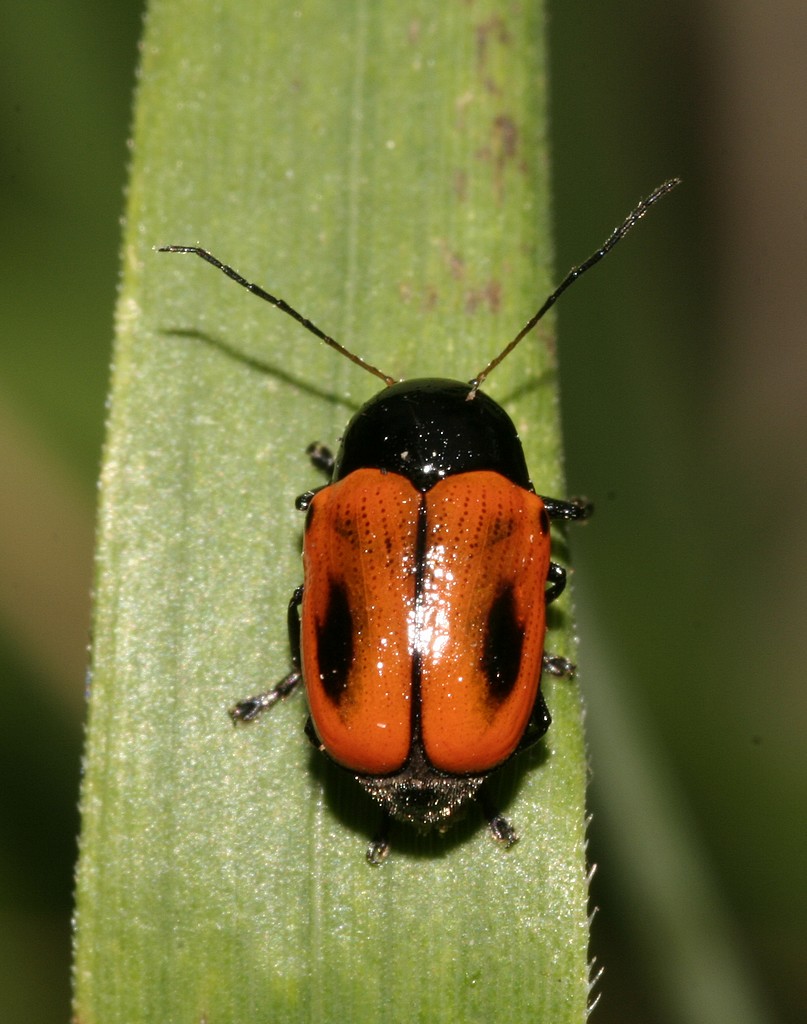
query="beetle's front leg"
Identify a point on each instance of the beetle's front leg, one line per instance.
(557, 508)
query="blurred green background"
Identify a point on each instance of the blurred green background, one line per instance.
(684, 412)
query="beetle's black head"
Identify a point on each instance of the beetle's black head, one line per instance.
(427, 429)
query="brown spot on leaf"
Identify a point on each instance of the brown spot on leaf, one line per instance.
(488, 296)
(488, 32)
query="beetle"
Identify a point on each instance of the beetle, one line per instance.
(418, 632)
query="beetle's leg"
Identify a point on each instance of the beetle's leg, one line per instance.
(540, 719)
(556, 578)
(248, 710)
(302, 501)
(577, 508)
(321, 457)
(565, 510)
(557, 665)
(378, 848)
(311, 733)
(500, 828)
(293, 624)
(537, 724)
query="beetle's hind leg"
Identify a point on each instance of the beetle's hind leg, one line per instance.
(500, 828)
(378, 847)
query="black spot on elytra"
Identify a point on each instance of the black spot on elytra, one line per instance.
(504, 641)
(335, 644)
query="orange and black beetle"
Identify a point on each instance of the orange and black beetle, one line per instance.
(419, 630)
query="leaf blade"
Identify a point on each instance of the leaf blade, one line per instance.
(229, 864)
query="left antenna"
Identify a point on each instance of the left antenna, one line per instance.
(281, 305)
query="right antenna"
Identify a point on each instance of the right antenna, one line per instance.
(618, 233)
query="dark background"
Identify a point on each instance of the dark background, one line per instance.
(684, 414)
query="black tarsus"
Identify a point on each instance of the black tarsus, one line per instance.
(251, 708)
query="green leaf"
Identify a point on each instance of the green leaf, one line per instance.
(383, 168)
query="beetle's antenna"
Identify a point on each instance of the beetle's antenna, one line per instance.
(573, 275)
(281, 305)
